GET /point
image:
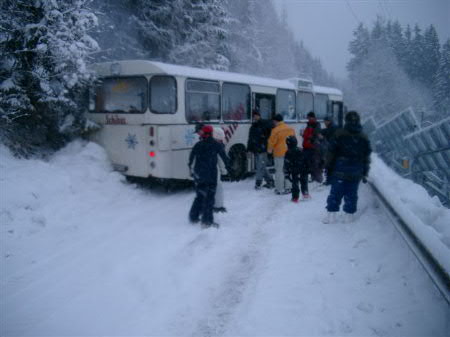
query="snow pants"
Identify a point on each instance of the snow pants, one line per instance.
(303, 179)
(203, 203)
(261, 161)
(315, 164)
(347, 189)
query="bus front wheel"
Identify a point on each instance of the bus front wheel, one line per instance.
(238, 159)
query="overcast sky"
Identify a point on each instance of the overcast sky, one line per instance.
(326, 26)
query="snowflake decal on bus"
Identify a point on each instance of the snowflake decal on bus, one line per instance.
(189, 136)
(131, 141)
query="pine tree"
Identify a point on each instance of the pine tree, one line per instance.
(407, 62)
(417, 57)
(442, 82)
(245, 55)
(116, 34)
(397, 42)
(202, 40)
(45, 45)
(432, 56)
(359, 47)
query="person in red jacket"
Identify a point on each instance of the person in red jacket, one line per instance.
(311, 147)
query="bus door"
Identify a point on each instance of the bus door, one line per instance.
(337, 110)
(264, 104)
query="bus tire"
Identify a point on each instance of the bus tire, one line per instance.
(238, 162)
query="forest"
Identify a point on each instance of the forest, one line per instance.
(47, 46)
(394, 67)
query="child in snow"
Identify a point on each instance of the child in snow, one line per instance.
(296, 168)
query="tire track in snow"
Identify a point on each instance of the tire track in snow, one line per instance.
(222, 305)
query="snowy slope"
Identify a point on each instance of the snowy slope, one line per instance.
(83, 252)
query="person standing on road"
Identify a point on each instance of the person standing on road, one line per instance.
(348, 163)
(277, 146)
(203, 168)
(296, 169)
(311, 147)
(258, 136)
(328, 134)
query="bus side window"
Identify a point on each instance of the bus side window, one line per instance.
(202, 100)
(286, 104)
(236, 102)
(305, 104)
(320, 105)
(163, 94)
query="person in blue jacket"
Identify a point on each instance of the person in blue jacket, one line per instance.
(348, 162)
(203, 168)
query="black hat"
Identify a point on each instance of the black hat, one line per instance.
(278, 118)
(311, 114)
(352, 117)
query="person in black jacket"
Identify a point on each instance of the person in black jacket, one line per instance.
(203, 167)
(329, 130)
(258, 136)
(327, 133)
(296, 168)
(348, 163)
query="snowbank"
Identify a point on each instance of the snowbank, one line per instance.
(428, 218)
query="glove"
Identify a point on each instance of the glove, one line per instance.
(364, 180)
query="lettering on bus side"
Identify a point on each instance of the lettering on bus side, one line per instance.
(229, 131)
(114, 119)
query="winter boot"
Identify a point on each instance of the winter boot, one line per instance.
(294, 200)
(258, 185)
(329, 218)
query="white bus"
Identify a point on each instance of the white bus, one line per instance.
(148, 112)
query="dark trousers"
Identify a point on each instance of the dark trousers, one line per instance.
(346, 189)
(303, 179)
(203, 203)
(314, 162)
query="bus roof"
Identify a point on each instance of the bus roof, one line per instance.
(142, 67)
(134, 67)
(333, 93)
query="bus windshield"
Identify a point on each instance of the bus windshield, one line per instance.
(121, 95)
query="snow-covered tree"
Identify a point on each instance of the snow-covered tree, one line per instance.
(201, 41)
(442, 82)
(45, 45)
(432, 56)
(359, 46)
(397, 42)
(245, 55)
(117, 32)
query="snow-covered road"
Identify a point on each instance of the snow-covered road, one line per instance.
(85, 253)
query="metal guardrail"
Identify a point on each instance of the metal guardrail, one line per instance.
(439, 276)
